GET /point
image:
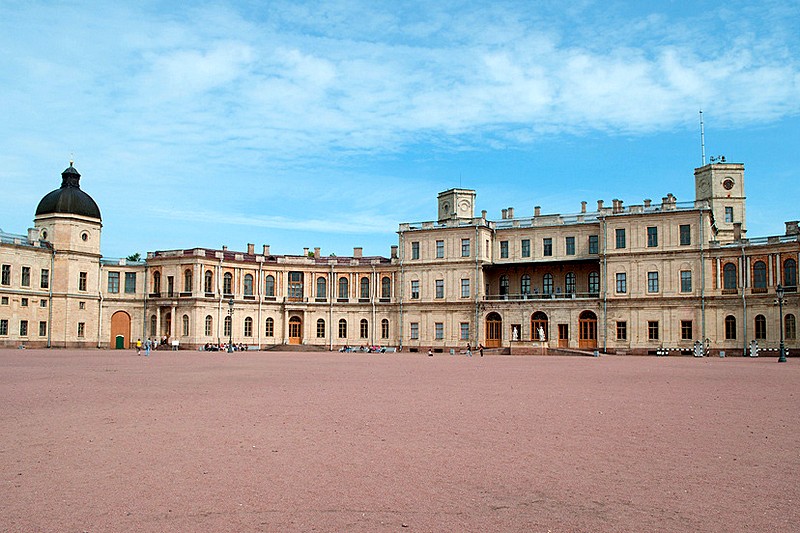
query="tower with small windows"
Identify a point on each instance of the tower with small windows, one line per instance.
(456, 203)
(721, 185)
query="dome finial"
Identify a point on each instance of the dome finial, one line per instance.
(71, 158)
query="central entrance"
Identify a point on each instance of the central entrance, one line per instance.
(295, 330)
(587, 330)
(494, 330)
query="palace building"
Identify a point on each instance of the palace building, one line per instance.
(626, 279)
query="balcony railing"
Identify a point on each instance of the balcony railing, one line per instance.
(538, 296)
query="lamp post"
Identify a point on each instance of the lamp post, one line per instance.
(230, 331)
(779, 291)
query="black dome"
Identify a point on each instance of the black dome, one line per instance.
(69, 199)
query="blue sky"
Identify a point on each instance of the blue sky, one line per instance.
(303, 124)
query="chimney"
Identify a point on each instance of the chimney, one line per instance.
(394, 249)
(224, 248)
(583, 207)
(504, 214)
(316, 252)
(737, 231)
(33, 235)
(305, 252)
(599, 205)
(358, 252)
(510, 212)
(647, 202)
(266, 249)
(251, 249)
(537, 210)
(483, 214)
(792, 227)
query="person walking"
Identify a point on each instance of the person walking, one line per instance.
(469, 350)
(147, 345)
(138, 346)
(480, 349)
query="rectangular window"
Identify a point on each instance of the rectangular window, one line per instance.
(23, 328)
(686, 330)
(622, 330)
(685, 234)
(594, 244)
(652, 282)
(414, 289)
(570, 245)
(652, 237)
(465, 252)
(42, 303)
(384, 329)
(295, 289)
(415, 250)
(439, 249)
(415, 330)
(620, 235)
(652, 330)
(440, 288)
(43, 329)
(504, 249)
(686, 281)
(130, 282)
(25, 280)
(465, 288)
(5, 277)
(622, 283)
(113, 282)
(729, 214)
(4, 300)
(526, 247)
(465, 331)
(4, 327)
(23, 302)
(439, 328)
(547, 246)
(82, 281)
(82, 305)
(81, 329)
(44, 280)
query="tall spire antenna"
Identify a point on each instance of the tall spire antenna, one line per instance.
(702, 139)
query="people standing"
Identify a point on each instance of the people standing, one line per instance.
(480, 349)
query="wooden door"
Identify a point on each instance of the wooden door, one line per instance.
(563, 335)
(295, 330)
(587, 330)
(494, 330)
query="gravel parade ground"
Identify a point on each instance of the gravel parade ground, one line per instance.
(186, 441)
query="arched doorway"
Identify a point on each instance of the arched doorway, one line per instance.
(494, 330)
(587, 330)
(295, 330)
(539, 320)
(121, 327)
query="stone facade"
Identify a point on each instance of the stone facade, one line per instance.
(617, 279)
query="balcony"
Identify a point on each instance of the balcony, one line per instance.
(536, 296)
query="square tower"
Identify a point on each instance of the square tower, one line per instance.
(456, 203)
(722, 186)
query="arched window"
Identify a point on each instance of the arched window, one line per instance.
(320, 328)
(269, 327)
(226, 327)
(342, 328)
(364, 287)
(343, 288)
(569, 283)
(364, 328)
(503, 285)
(156, 282)
(248, 327)
(594, 283)
(153, 326)
(761, 327)
(547, 283)
(269, 286)
(209, 326)
(187, 280)
(730, 327)
(525, 284)
(790, 273)
(539, 329)
(227, 284)
(385, 328)
(729, 276)
(208, 282)
(386, 287)
(790, 327)
(759, 275)
(185, 324)
(248, 284)
(322, 288)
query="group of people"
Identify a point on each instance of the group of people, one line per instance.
(147, 345)
(223, 347)
(467, 352)
(362, 349)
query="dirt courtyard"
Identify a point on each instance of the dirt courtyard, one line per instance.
(187, 441)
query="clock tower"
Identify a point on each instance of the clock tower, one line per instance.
(456, 203)
(722, 186)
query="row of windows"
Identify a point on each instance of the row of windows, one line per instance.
(269, 327)
(113, 282)
(687, 330)
(730, 275)
(465, 249)
(621, 285)
(570, 284)
(23, 328)
(438, 331)
(25, 276)
(23, 302)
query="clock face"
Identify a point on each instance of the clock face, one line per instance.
(463, 206)
(728, 184)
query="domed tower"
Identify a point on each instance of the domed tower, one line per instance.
(69, 218)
